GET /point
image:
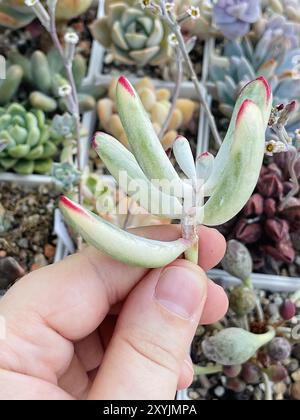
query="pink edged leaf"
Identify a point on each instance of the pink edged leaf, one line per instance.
(240, 175)
(119, 244)
(257, 91)
(141, 135)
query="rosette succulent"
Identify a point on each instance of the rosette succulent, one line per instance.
(30, 146)
(147, 170)
(275, 56)
(133, 35)
(289, 8)
(234, 17)
(14, 14)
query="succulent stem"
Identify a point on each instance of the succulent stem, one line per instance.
(260, 313)
(189, 229)
(264, 339)
(207, 370)
(175, 28)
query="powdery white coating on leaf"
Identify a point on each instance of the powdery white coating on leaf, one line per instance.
(234, 346)
(119, 244)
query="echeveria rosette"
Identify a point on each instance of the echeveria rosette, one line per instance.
(235, 169)
(274, 57)
(234, 17)
(133, 35)
(30, 144)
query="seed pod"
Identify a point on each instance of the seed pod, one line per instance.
(279, 349)
(242, 300)
(237, 260)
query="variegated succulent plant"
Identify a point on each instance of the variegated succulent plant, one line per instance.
(275, 56)
(157, 104)
(228, 180)
(132, 35)
(14, 14)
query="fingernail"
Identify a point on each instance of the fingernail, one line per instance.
(180, 290)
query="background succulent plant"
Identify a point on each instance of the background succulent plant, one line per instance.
(157, 104)
(234, 17)
(270, 233)
(30, 143)
(133, 35)
(202, 27)
(289, 8)
(14, 14)
(43, 74)
(103, 197)
(274, 56)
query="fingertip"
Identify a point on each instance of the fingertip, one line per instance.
(212, 247)
(216, 305)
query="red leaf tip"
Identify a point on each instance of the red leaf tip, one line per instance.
(71, 205)
(267, 87)
(242, 109)
(126, 85)
(95, 143)
(204, 154)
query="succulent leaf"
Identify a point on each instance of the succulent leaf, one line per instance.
(241, 171)
(259, 92)
(117, 159)
(184, 156)
(119, 244)
(142, 138)
(234, 346)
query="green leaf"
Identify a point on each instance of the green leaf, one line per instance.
(142, 138)
(258, 92)
(240, 174)
(118, 159)
(184, 156)
(119, 244)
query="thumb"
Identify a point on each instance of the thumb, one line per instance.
(153, 335)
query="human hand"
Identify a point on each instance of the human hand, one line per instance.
(90, 327)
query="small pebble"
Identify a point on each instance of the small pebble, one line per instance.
(293, 365)
(219, 391)
(193, 395)
(296, 376)
(295, 391)
(49, 251)
(280, 388)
